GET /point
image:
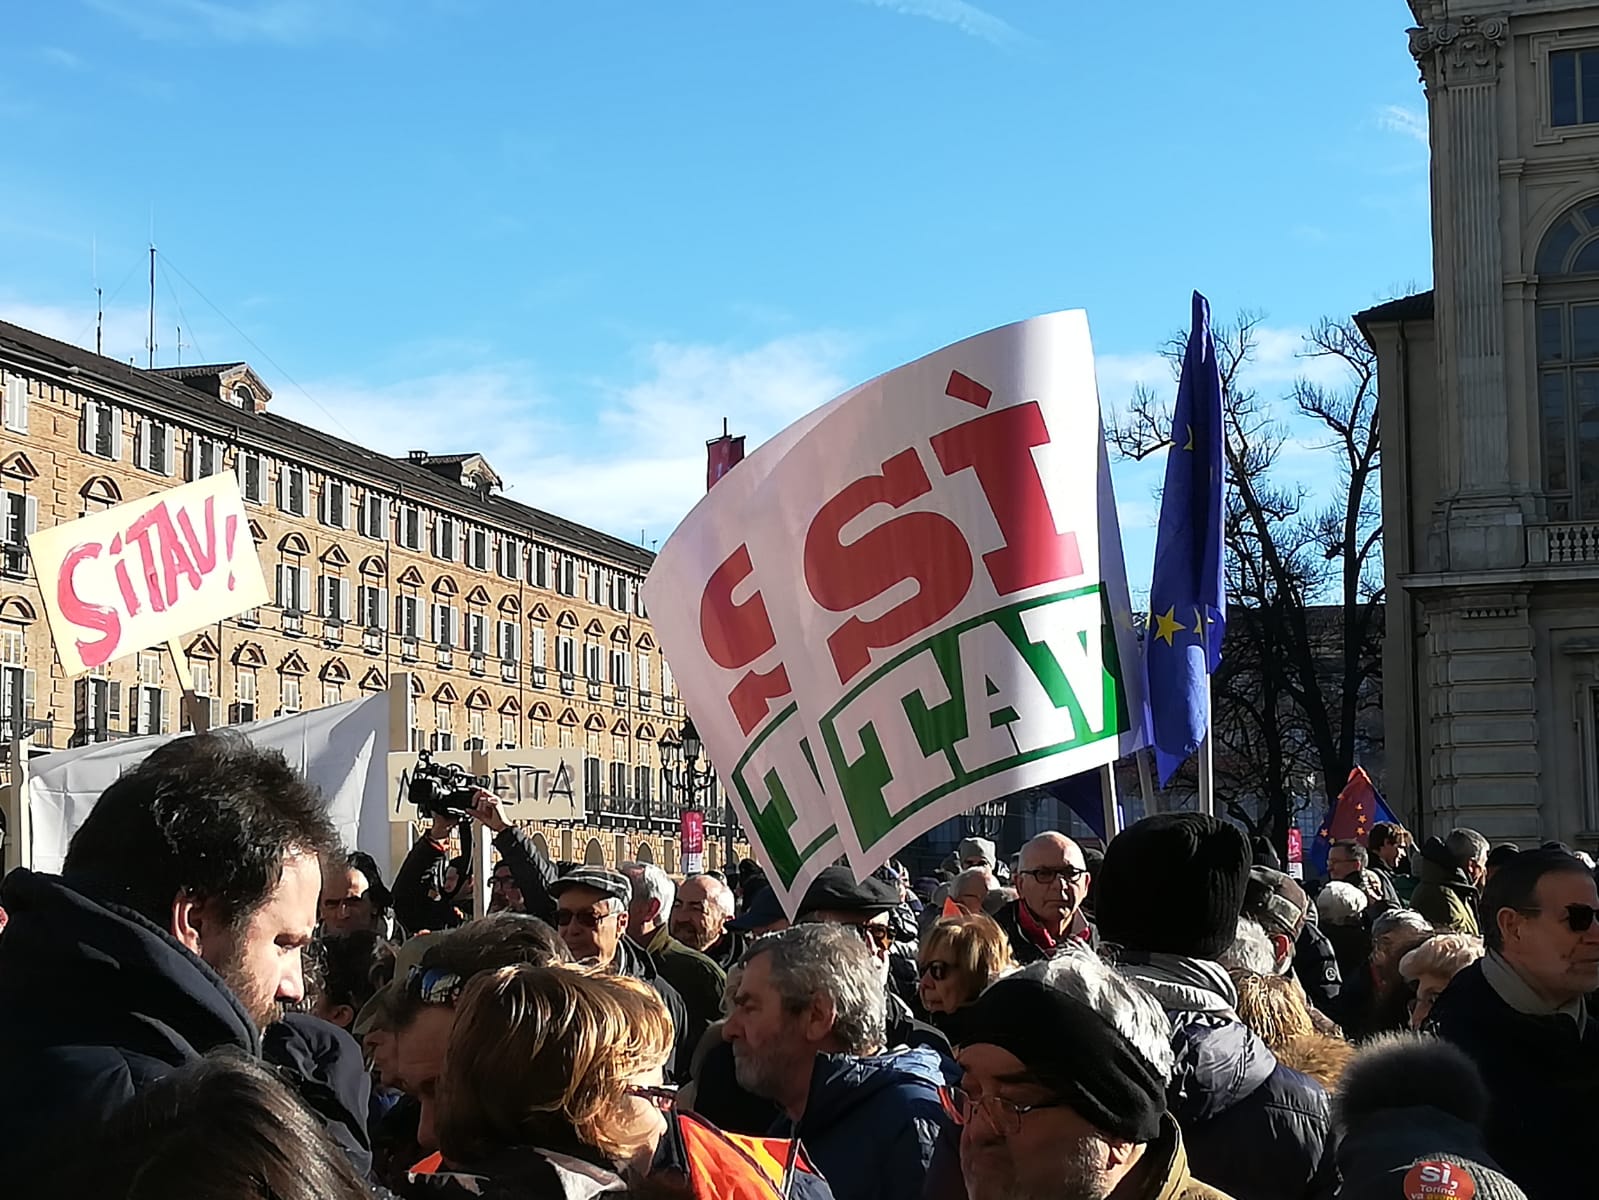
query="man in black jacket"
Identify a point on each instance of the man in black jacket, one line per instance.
(1169, 897)
(592, 913)
(1051, 883)
(1525, 1013)
(699, 919)
(175, 929)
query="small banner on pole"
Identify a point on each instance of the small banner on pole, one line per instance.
(691, 841)
(147, 571)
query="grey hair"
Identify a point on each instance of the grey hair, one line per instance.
(1356, 851)
(1341, 904)
(1129, 1009)
(1447, 954)
(1466, 845)
(1251, 950)
(829, 960)
(717, 892)
(1400, 920)
(649, 880)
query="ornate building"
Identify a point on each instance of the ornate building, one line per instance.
(519, 629)
(1490, 428)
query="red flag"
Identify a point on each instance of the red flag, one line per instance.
(1356, 810)
(721, 456)
(952, 909)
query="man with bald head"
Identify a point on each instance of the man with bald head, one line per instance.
(1051, 881)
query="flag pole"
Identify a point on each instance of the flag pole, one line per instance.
(1207, 762)
(1146, 781)
(1109, 798)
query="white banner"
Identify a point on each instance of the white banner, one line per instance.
(941, 580)
(341, 750)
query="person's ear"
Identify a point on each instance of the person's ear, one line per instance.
(1509, 922)
(1282, 946)
(187, 924)
(621, 922)
(1118, 1153)
(342, 1015)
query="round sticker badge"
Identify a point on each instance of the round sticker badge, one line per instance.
(1439, 1181)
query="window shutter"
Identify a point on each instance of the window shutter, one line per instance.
(113, 703)
(115, 418)
(91, 423)
(382, 621)
(538, 647)
(141, 443)
(322, 505)
(169, 448)
(164, 724)
(16, 414)
(283, 585)
(305, 587)
(283, 488)
(30, 519)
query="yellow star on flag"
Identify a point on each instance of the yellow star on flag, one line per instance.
(1190, 445)
(1199, 623)
(1167, 625)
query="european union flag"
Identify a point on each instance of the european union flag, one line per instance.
(1358, 807)
(1188, 596)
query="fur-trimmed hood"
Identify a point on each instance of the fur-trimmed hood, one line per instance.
(1321, 1057)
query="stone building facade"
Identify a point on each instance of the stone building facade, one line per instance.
(519, 629)
(1490, 426)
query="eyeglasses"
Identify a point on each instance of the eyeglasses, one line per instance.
(500, 882)
(346, 904)
(937, 968)
(1046, 876)
(1005, 1116)
(664, 1098)
(434, 986)
(564, 917)
(1579, 917)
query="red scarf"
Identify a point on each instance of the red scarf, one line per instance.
(1041, 937)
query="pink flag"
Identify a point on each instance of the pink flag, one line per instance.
(722, 455)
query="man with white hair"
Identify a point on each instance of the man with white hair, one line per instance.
(1452, 871)
(1051, 884)
(807, 1030)
(698, 918)
(696, 977)
(1063, 1089)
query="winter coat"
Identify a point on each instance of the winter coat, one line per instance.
(519, 1173)
(1320, 1057)
(1253, 1127)
(726, 951)
(325, 1067)
(636, 962)
(96, 1003)
(420, 873)
(698, 980)
(1445, 895)
(532, 871)
(1316, 967)
(1022, 947)
(1543, 1083)
(1164, 1174)
(870, 1124)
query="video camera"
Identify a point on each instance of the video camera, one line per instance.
(443, 789)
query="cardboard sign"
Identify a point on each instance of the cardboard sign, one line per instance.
(939, 613)
(1296, 853)
(148, 571)
(691, 840)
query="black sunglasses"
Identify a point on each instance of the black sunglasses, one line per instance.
(1579, 916)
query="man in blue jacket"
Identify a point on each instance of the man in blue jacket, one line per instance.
(807, 1031)
(1169, 896)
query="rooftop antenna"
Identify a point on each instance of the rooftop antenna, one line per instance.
(99, 295)
(181, 345)
(151, 343)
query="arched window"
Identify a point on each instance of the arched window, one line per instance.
(1568, 362)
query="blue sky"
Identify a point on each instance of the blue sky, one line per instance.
(574, 236)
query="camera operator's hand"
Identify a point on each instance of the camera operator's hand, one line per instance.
(486, 809)
(443, 827)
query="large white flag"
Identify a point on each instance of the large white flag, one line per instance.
(341, 750)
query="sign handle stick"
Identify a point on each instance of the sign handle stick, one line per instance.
(1111, 801)
(199, 721)
(1146, 782)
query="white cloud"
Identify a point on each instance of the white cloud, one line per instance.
(56, 56)
(1280, 360)
(285, 22)
(968, 18)
(1403, 120)
(623, 454)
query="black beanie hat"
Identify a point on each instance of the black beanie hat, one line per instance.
(1173, 884)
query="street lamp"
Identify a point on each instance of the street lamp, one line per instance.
(681, 765)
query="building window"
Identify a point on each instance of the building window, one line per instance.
(152, 446)
(1568, 363)
(508, 731)
(407, 617)
(446, 535)
(443, 726)
(251, 469)
(97, 708)
(510, 564)
(619, 772)
(372, 604)
(102, 430)
(508, 639)
(476, 729)
(620, 665)
(205, 457)
(200, 671)
(374, 516)
(332, 693)
(16, 681)
(293, 490)
(290, 692)
(446, 621)
(477, 549)
(593, 662)
(19, 517)
(567, 738)
(408, 530)
(566, 575)
(642, 780)
(539, 567)
(333, 598)
(1574, 87)
(566, 656)
(536, 735)
(244, 396)
(334, 504)
(15, 388)
(294, 586)
(244, 690)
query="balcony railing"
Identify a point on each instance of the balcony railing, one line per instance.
(14, 560)
(332, 633)
(568, 684)
(410, 651)
(508, 670)
(445, 658)
(596, 690)
(1553, 545)
(478, 665)
(643, 701)
(372, 641)
(293, 623)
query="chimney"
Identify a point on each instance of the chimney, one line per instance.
(418, 456)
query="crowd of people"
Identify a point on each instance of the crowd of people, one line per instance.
(215, 999)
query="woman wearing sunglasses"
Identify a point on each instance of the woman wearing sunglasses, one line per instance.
(552, 1087)
(959, 957)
